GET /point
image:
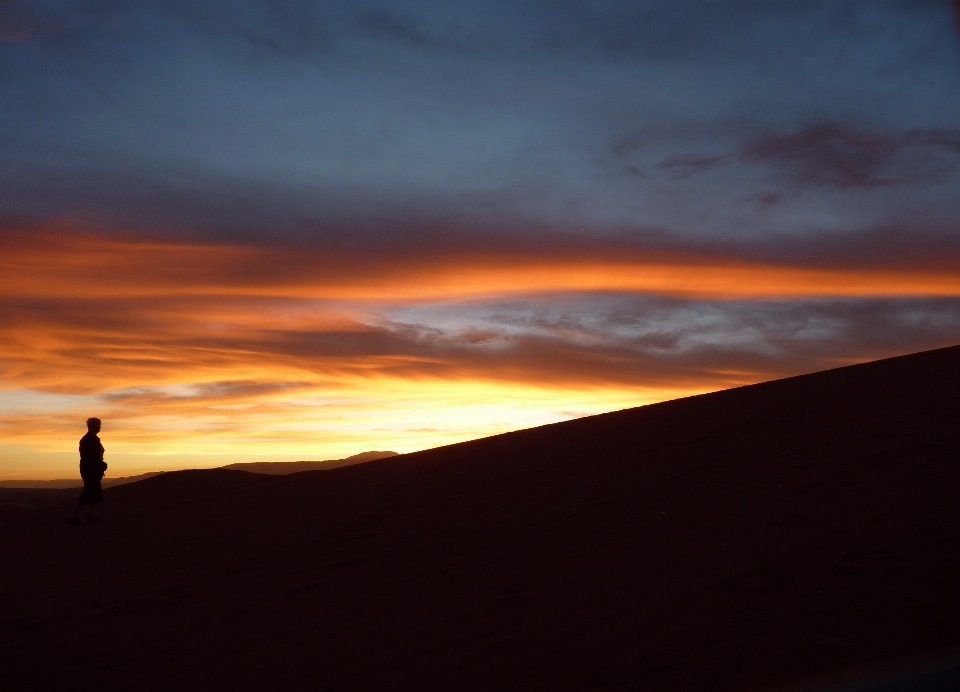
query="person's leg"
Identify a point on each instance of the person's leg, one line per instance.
(75, 519)
(81, 501)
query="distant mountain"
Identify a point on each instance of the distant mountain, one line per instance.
(284, 468)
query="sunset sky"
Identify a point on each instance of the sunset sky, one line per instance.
(241, 231)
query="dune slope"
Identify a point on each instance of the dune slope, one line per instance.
(760, 537)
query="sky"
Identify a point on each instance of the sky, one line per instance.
(292, 230)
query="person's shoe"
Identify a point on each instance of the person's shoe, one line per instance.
(93, 518)
(75, 521)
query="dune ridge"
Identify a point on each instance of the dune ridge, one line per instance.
(781, 535)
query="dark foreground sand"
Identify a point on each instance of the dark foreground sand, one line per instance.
(767, 536)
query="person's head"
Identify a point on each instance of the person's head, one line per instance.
(93, 425)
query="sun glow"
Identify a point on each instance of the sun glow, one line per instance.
(309, 424)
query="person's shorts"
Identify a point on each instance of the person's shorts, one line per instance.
(92, 492)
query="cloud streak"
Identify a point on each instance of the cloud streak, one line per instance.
(86, 266)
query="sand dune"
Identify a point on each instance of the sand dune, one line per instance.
(760, 538)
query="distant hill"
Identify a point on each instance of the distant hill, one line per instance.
(76, 482)
(285, 468)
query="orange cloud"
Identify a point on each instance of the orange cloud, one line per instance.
(57, 265)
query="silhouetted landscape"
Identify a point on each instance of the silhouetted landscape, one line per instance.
(77, 482)
(274, 468)
(778, 536)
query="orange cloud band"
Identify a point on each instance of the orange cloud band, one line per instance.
(57, 265)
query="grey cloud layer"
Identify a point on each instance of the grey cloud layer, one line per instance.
(702, 119)
(655, 341)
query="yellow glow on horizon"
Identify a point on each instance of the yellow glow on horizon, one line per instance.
(312, 425)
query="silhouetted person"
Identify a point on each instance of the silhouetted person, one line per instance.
(92, 467)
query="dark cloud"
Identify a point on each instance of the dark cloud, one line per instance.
(59, 25)
(831, 155)
(650, 29)
(685, 166)
(382, 23)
